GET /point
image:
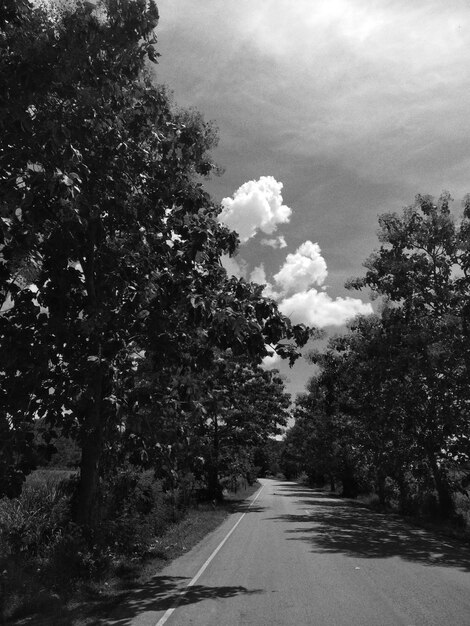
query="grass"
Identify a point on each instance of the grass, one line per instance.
(90, 600)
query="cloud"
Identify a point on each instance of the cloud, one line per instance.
(256, 206)
(296, 296)
(277, 242)
(271, 361)
(352, 82)
(258, 275)
(234, 267)
(303, 269)
(317, 308)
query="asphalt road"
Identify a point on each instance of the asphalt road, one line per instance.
(298, 557)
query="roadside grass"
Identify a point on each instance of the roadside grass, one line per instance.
(90, 599)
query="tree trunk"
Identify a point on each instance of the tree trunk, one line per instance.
(404, 504)
(444, 492)
(85, 504)
(213, 486)
(381, 488)
(348, 480)
(332, 483)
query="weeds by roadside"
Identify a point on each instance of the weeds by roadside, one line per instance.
(52, 572)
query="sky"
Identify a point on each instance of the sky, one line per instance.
(330, 112)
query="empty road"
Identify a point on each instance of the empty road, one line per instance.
(296, 556)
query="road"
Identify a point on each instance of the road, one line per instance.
(299, 557)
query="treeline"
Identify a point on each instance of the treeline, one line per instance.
(388, 410)
(119, 328)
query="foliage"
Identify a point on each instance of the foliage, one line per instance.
(42, 552)
(227, 410)
(267, 458)
(114, 297)
(392, 395)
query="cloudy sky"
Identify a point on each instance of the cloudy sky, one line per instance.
(330, 112)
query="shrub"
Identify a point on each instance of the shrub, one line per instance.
(31, 522)
(135, 509)
(31, 527)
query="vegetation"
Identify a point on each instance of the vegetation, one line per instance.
(131, 358)
(126, 348)
(54, 572)
(388, 411)
(120, 328)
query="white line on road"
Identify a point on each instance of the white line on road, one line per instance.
(194, 580)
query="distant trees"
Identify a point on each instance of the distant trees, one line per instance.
(115, 307)
(398, 381)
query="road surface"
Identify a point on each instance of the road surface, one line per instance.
(296, 556)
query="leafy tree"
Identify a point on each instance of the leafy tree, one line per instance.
(422, 269)
(110, 248)
(211, 422)
(267, 457)
(248, 405)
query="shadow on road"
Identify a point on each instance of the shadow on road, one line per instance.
(332, 525)
(244, 507)
(160, 594)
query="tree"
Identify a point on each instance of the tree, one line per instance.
(247, 405)
(422, 270)
(110, 247)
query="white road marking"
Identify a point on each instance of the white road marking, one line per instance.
(203, 568)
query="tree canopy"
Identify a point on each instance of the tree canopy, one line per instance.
(392, 393)
(114, 298)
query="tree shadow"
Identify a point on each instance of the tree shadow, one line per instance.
(331, 525)
(159, 594)
(244, 507)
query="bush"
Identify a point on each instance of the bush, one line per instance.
(43, 553)
(31, 528)
(31, 522)
(135, 509)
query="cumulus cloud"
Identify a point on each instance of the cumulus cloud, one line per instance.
(258, 275)
(317, 308)
(256, 206)
(234, 267)
(277, 242)
(303, 269)
(298, 286)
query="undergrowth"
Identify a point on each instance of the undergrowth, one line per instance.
(51, 570)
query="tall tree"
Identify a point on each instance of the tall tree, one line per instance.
(422, 270)
(110, 248)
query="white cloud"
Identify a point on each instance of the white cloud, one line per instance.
(277, 242)
(258, 275)
(303, 269)
(271, 361)
(234, 267)
(256, 206)
(317, 308)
